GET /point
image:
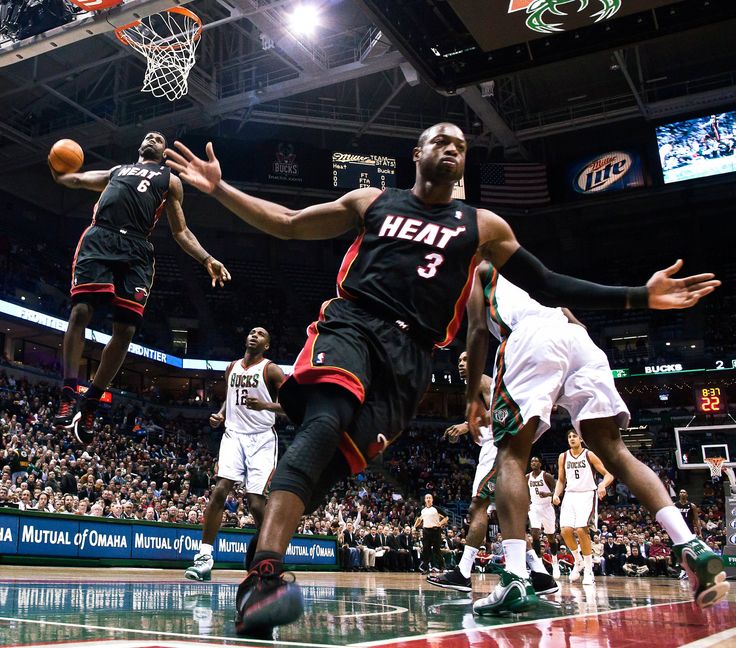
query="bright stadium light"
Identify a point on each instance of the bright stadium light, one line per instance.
(304, 19)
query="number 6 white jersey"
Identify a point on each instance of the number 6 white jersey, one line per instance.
(578, 473)
(243, 383)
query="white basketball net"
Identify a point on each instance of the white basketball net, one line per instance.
(716, 465)
(168, 40)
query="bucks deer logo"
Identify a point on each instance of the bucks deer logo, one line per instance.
(540, 13)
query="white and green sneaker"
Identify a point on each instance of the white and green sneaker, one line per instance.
(704, 570)
(512, 594)
(201, 570)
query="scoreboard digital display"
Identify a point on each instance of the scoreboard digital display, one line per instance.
(710, 400)
(354, 171)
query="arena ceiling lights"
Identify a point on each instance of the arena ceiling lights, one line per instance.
(455, 43)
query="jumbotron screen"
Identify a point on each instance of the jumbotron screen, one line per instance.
(697, 148)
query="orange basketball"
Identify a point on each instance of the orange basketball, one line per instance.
(66, 156)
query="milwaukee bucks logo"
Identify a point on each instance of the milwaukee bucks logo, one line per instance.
(540, 13)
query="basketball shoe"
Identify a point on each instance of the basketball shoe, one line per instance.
(512, 594)
(67, 408)
(575, 573)
(704, 570)
(267, 597)
(555, 569)
(83, 423)
(543, 583)
(588, 578)
(201, 570)
(453, 580)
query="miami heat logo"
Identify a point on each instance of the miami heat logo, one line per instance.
(537, 11)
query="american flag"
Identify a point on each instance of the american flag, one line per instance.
(520, 185)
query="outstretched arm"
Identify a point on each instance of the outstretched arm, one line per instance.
(92, 180)
(324, 221)
(499, 245)
(186, 240)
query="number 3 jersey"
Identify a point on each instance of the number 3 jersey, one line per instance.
(134, 198)
(243, 383)
(413, 263)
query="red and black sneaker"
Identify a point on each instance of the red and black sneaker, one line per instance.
(268, 597)
(83, 424)
(67, 408)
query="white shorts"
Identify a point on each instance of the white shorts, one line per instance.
(543, 364)
(542, 516)
(577, 509)
(484, 484)
(249, 458)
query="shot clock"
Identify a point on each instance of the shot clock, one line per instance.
(710, 399)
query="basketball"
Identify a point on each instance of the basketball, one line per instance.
(66, 156)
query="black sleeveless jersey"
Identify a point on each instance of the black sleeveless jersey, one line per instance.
(414, 263)
(134, 198)
(686, 512)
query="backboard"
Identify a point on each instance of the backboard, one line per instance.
(696, 443)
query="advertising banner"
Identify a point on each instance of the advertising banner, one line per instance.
(70, 536)
(610, 171)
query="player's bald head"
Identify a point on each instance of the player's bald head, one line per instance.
(443, 127)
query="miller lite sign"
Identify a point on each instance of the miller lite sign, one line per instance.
(607, 172)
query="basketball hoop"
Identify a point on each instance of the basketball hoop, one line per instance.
(716, 465)
(168, 40)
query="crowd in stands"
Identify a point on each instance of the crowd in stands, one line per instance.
(151, 467)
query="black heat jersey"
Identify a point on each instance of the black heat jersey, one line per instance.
(134, 198)
(414, 263)
(686, 512)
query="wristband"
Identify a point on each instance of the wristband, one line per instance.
(638, 297)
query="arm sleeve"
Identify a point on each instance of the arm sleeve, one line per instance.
(552, 289)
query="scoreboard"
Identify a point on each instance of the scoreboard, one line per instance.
(709, 399)
(355, 171)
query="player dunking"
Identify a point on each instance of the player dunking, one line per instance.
(575, 476)
(546, 358)
(249, 449)
(114, 263)
(541, 512)
(367, 360)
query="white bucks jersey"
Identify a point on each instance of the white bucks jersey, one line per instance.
(508, 305)
(243, 383)
(578, 473)
(538, 487)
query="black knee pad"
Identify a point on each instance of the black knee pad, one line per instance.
(301, 467)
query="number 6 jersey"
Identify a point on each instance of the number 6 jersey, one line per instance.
(243, 383)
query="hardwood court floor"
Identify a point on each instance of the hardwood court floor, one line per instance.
(65, 607)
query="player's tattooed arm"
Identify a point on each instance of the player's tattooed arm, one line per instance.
(317, 222)
(92, 180)
(186, 239)
(499, 246)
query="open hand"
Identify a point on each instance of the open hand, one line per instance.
(201, 174)
(666, 293)
(217, 272)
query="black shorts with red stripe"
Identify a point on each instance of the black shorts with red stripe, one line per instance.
(386, 370)
(114, 266)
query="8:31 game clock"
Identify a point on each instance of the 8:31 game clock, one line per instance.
(710, 399)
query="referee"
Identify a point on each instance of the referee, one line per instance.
(432, 522)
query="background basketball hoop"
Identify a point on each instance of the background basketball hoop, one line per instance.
(168, 40)
(716, 465)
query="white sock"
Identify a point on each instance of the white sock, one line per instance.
(576, 555)
(535, 562)
(554, 560)
(206, 549)
(672, 522)
(588, 563)
(467, 561)
(515, 552)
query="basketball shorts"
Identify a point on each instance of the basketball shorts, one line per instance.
(484, 483)
(543, 364)
(382, 366)
(116, 267)
(577, 509)
(542, 517)
(249, 459)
